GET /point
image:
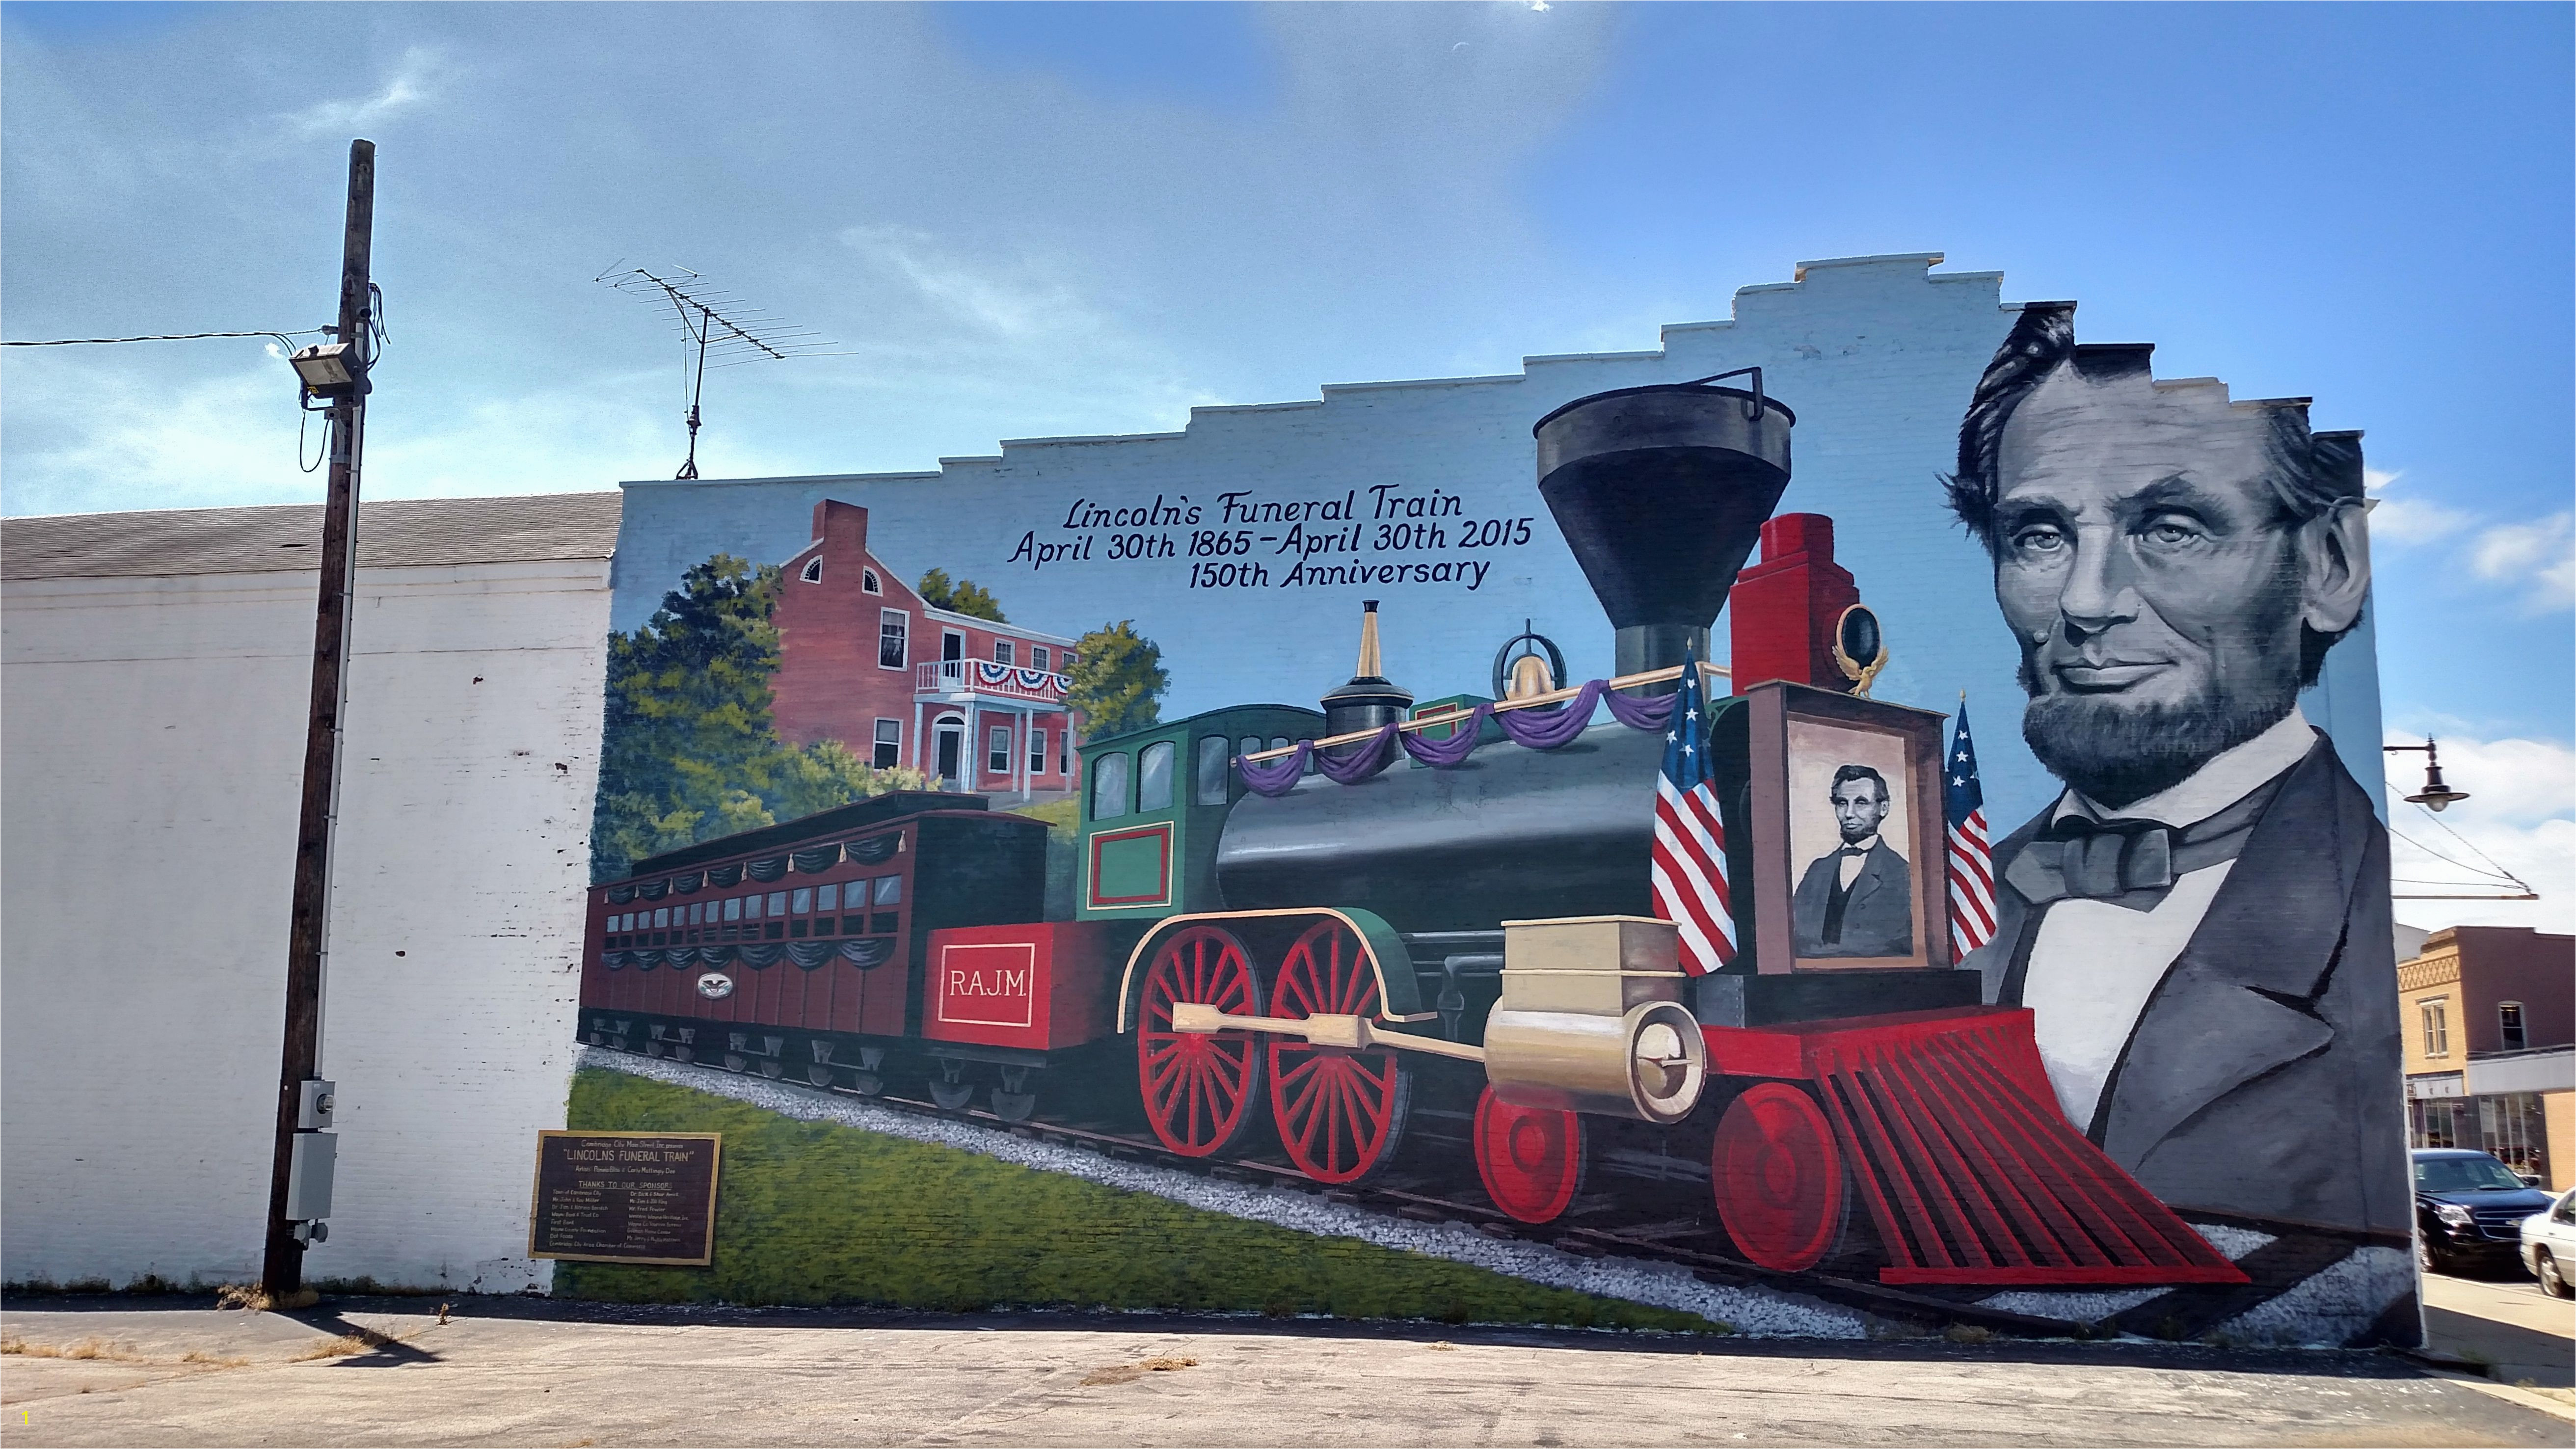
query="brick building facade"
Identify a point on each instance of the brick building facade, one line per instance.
(2490, 1024)
(864, 660)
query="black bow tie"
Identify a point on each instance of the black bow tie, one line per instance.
(2129, 862)
(1855, 850)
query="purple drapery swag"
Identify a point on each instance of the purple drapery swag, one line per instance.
(1452, 752)
(1275, 778)
(1529, 728)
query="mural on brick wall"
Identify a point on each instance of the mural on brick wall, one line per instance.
(1700, 958)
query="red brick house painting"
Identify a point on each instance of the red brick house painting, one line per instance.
(863, 660)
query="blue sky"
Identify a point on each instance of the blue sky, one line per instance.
(1025, 220)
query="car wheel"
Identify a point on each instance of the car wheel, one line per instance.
(2431, 1258)
(2552, 1281)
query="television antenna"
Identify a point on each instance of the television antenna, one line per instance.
(714, 323)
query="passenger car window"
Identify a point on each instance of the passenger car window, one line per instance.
(1154, 776)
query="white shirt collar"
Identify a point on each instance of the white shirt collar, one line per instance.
(1869, 844)
(2230, 777)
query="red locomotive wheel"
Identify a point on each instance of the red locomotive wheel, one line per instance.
(1779, 1177)
(1339, 1112)
(1531, 1158)
(1198, 1087)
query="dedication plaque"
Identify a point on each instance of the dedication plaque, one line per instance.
(626, 1197)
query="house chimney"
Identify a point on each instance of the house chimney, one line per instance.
(842, 527)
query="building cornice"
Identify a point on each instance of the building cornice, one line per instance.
(2426, 972)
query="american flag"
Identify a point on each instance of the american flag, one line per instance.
(1972, 857)
(1690, 839)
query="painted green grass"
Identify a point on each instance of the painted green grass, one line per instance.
(815, 1213)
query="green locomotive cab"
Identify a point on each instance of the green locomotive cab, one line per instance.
(1154, 802)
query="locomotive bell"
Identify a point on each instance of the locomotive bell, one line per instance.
(1660, 492)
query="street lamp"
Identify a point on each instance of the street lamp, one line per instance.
(2435, 795)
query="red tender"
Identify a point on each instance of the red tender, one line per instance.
(1044, 986)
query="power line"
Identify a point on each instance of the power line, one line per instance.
(2446, 829)
(2494, 875)
(285, 337)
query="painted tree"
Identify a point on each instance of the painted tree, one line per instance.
(1118, 680)
(688, 748)
(959, 597)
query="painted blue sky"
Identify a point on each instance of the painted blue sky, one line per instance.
(1030, 220)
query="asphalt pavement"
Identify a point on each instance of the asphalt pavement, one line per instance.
(536, 1372)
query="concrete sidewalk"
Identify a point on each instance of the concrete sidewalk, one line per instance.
(2521, 1333)
(532, 1372)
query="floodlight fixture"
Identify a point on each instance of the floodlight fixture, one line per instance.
(330, 370)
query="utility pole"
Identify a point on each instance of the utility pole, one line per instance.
(282, 1272)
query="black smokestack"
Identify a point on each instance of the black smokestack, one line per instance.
(1661, 492)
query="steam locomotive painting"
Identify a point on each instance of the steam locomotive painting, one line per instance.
(1391, 936)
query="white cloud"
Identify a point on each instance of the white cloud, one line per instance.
(415, 79)
(2538, 558)
(142, 438)
(588, 434)
(2408, 520)
(97, 435)
(1017, 305)
(2521, 814)
(2415, 520)
(1023, 326)
(2540, 555)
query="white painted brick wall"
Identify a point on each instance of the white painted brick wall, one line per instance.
(154, 737)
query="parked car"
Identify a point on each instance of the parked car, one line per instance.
(2549, 1245)
(2469, 1209)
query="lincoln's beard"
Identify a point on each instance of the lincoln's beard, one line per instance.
(2117, 752)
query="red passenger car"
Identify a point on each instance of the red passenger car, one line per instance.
(802, 948)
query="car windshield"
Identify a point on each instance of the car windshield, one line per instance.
(2464, 1174)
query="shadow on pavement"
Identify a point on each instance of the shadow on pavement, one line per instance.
(330, 1316)
(2516, 1352)
(381, 1352)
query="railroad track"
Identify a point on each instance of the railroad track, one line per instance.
(1654, 1243)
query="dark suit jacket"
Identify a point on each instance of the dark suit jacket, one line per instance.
(2263, 1077)
(1878, 918)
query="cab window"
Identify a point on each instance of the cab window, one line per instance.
(1214, 752)
(1154, 776)
(1108, 786)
